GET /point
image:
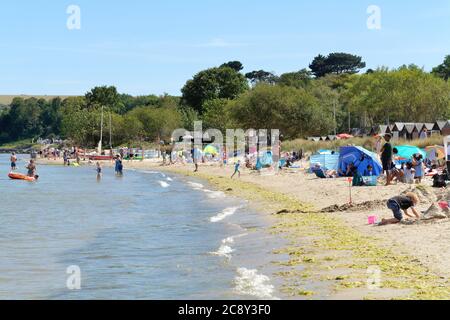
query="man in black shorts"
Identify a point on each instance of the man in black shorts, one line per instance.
(386, 158)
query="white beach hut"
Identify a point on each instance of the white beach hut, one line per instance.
(447, 145)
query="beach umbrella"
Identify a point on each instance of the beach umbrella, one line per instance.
(406, 153)
(439, 151)
(210, 149)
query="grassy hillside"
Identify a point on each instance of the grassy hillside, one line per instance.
(7, 99)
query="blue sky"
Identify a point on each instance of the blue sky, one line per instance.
(154, 46)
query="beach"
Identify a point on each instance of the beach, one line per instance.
(331, 248)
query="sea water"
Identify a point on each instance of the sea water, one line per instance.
(146, 235)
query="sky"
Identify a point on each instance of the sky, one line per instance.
(155, 46)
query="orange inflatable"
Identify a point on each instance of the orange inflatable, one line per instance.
(19, 176)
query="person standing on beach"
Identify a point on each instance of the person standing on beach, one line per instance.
(386, 158)
(378, 146)
(418, 168)
(13, 162)
(424, 134)
(195, 157)
(236, 169)
(65, 158)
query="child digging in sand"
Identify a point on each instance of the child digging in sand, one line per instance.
(399, 204)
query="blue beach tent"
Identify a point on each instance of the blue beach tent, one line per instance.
(327, 161)
(265, 161)
(361, 158)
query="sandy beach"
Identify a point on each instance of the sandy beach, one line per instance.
(332, 247)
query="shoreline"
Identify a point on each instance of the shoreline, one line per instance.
(330, 256)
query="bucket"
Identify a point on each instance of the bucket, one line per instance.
(443, 205)
(372, 220)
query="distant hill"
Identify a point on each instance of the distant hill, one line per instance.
(7, 99)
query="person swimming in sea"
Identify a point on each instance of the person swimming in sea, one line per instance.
(13, 162)
(119, 166)
(31, 167)
(98, 169)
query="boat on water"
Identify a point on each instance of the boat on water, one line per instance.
(20, 176)
(99, 158)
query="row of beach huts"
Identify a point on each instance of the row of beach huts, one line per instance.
(398, 130)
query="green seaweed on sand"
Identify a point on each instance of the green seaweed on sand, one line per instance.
(298, 221)
(404, 272)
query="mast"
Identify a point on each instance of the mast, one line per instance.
(110, 130)
(101, 136)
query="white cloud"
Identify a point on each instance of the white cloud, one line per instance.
(221, 43)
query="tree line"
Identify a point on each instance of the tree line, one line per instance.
(331, 95)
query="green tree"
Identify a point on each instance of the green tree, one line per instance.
(295, 112)
(157, 123)
(299, 79)
(216, 115)
(337, 63)
(235, 65)
(443, 70)
(214, 83)
(407, 94)
(261, 76)
(107, 97)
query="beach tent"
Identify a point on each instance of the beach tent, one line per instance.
(327, 161)
(264, 161)
(361, 158)
(325, 152)
(439, 152)
(406, 153)
(267, 159)
(210, 149)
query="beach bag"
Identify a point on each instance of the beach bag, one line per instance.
(371, 181)
(439, 181)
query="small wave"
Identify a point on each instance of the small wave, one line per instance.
(162, 174)
(196, 185)
(169, 179)
(251, 283)
(214, 194)
(164, 184)
(230, 240)
(151, 172)
(224, 214)
(224, 251)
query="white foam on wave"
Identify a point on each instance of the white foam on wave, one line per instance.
(224, 214)
(164, 184)
(230, 240)
(249, 282)
(195, 185)
(224, 251)
(169, 179)
(214, 194)
(151, 172)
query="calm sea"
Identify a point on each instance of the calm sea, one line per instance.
(147, 235)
